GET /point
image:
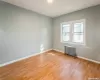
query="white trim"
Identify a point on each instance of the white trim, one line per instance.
(58, 50)
(10, 62)
(73, 21)
(71, 39)
(89, 59)
(73, 43)
(13, 61)
(81, 57)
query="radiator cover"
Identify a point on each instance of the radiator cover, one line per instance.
(69, 50)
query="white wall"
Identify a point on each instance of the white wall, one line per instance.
(92, 16)
(22, 32)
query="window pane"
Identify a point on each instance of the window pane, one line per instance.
(66, 28)
(65, 32)
(78, 27)
(78, 37)
(65, 36)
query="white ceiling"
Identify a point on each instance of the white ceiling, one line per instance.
(57, 8)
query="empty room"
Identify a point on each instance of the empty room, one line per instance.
(49, 39)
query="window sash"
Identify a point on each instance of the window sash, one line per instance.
(66, 37)
(78, 37)
(78, 28)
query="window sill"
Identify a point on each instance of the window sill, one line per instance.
(73, 43)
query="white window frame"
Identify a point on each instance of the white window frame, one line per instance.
(72, 28)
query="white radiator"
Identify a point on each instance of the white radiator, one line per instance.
(69, 50)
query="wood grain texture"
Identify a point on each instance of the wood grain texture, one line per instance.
(52, 65)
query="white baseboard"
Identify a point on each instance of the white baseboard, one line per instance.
(89, 59)
(81, 57)
(10, 62)
(58, 50)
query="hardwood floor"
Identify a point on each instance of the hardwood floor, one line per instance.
(51, 66)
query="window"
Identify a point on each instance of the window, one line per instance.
(73, 32)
